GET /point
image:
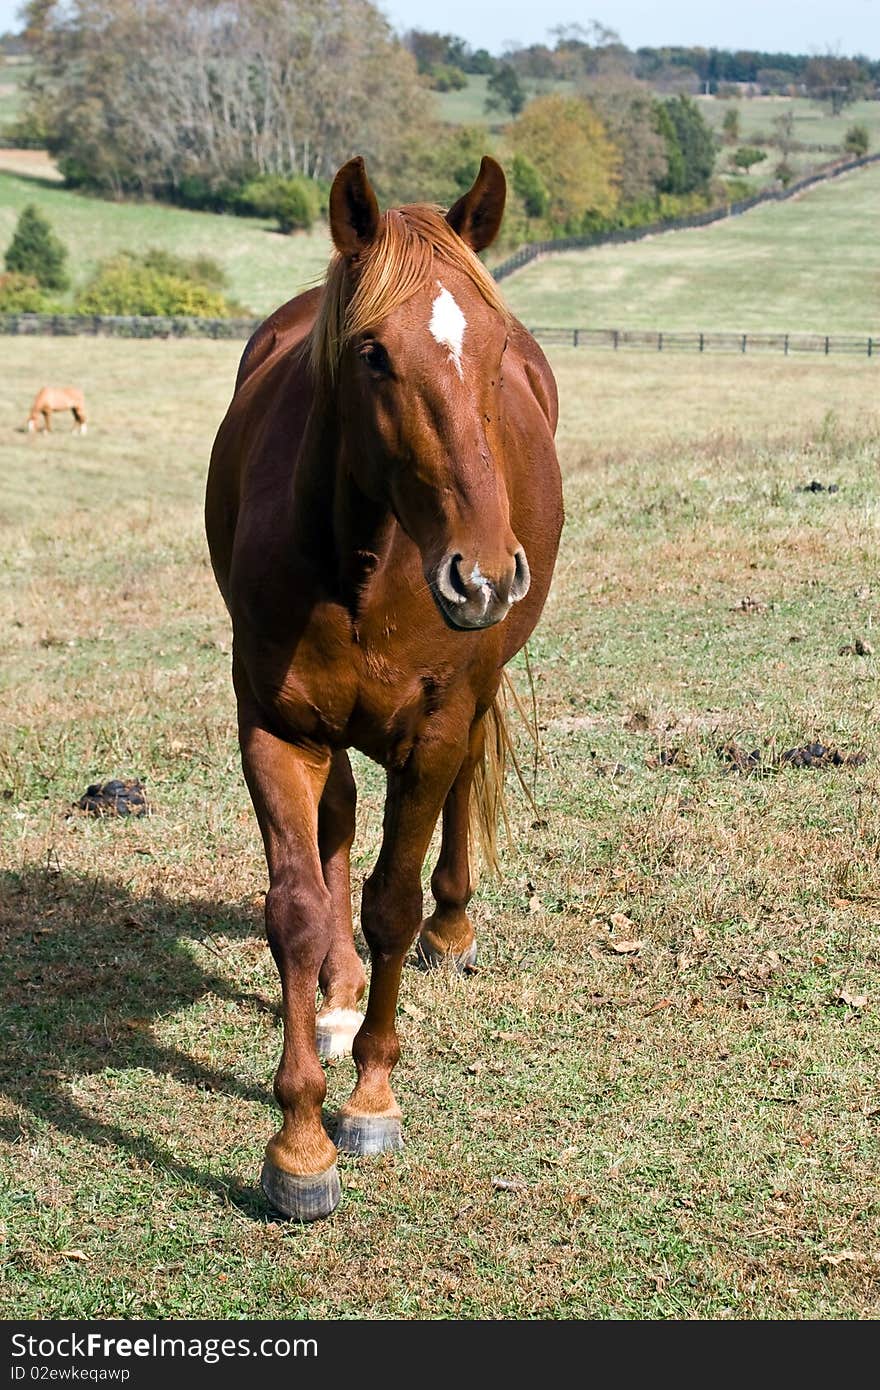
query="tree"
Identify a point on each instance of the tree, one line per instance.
(839, 81)
(690, 146)
(506, 91)
(857, 140)
(746, 156)
(148, 95)
(566, 142)
(730, 125)
(529, 186)
(35, 250)
(627, 111)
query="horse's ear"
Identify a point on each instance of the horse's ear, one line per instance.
(477, 216)
(354, 212)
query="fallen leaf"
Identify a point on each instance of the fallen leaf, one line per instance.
(618, 921)
(855, 1001)
(79, 1255)
(661, 1004)
(625, 948)
(845, 1257)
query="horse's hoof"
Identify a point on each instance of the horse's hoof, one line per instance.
(335, 1032)
(431, 959)
(301, 1198)
(368, 1134)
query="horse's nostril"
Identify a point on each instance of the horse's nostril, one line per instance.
(521, 577)
(456, 579)
(449, 580)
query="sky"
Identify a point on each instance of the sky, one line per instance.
(772, 26)
(782, 26)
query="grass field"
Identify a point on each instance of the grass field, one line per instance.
(811, 264)
(264, 267)
(814, 122)
(686, 1129)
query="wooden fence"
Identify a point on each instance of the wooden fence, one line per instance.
(654, 340)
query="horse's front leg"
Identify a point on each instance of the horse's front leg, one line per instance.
(285, 783)
(391, 913)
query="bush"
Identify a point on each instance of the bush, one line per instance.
(22, 294)
(857, 140)
(295, 201)
(444, 77)
(126, 284)
(35, 250)
(746, 156)
(203, 269)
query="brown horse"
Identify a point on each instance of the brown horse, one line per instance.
(383, 513)
(57, 398)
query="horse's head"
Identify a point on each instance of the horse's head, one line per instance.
(420, 334)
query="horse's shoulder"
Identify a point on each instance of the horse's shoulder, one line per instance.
(284, 328)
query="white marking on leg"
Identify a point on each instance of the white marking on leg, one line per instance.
(447, 326)
(336, 1030)
(82, 428)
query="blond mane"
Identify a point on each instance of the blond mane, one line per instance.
(399, 262)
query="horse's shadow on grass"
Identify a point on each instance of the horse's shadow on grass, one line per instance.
(85, 968)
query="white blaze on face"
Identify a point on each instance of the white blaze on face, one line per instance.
(447, 326)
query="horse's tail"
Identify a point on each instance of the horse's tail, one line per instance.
(487, 798)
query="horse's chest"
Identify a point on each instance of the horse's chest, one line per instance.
(396, 702)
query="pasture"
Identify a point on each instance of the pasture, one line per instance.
(811, 264)
(658, 1096)
(256, 258)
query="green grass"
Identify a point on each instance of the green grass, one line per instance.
(811, 264)
(814, 123)
(690, 1129)
(264, 268)
(13, 75)
(467, 106)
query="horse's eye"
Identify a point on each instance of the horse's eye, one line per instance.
(375, 357)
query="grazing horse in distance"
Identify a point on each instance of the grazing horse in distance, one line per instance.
(57, 398)
(383, 514)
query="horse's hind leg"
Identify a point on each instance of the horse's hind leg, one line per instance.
(447, 937)
(299, 1175)
(79, 420)
(342, 977)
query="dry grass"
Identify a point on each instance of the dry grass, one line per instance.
(688, 1128)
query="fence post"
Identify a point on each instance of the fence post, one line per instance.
(827, 345)
(574, 337)
(701, 342)
(659, 342)
(744, 342)
(785, 345)
(870, 346)
(616, 336)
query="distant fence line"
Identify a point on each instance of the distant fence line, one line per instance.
(822, 344)
(652, 339)
(535, 249)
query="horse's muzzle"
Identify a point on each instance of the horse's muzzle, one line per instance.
(469, 599)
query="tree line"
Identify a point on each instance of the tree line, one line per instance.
(250, 106)
(595, 50)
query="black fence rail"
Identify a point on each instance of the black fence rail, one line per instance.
(535, 249)
(656, 340)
